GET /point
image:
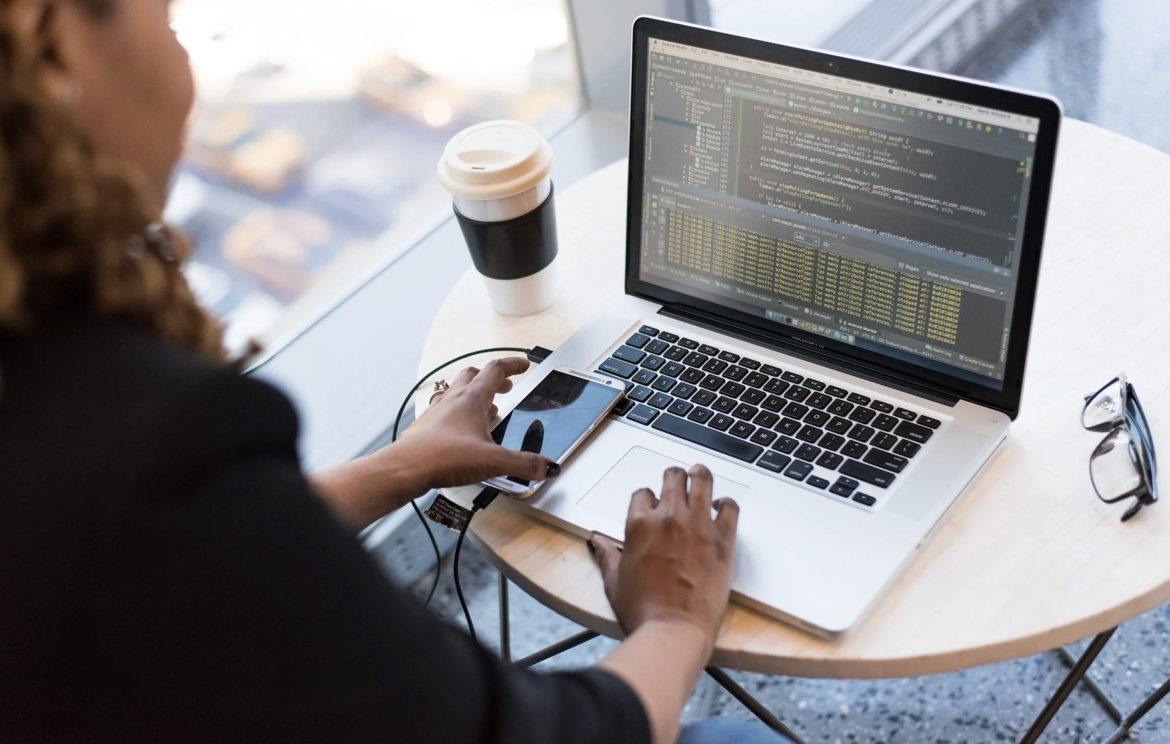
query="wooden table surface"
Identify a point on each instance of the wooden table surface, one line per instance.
(1030, 559)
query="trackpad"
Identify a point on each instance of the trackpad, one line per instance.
(641, 468)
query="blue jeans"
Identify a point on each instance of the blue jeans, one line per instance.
(729, 731)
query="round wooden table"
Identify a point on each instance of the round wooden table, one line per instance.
(1030, 559)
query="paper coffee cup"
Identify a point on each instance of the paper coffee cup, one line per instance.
(498, 174)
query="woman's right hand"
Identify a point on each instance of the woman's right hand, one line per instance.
(676, 564)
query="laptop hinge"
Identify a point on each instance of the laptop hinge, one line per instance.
(866, 371)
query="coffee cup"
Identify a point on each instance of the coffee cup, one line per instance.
(498, 173)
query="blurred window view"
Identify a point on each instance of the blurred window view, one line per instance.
(313, 147)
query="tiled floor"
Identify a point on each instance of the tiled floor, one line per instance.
(1106, 60)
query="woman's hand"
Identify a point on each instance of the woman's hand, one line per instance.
(449, 445)
(676, 564)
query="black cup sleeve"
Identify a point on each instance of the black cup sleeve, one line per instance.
(514, 248)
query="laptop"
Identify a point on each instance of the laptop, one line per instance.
(831, 268)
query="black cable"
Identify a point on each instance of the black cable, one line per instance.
(394, 438)
(458, 587)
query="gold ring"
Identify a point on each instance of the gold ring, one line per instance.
(441, 387)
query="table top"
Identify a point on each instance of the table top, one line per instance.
(1030, 559)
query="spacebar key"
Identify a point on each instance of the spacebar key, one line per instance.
(709, 438)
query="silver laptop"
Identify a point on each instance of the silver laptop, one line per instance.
(831, 267)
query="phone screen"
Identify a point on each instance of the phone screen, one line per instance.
(554, 415)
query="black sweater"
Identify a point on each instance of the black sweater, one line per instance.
(166, 574)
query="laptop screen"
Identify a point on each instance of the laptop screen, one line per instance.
(881, 218)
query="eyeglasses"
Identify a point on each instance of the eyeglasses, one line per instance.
(1123, 465)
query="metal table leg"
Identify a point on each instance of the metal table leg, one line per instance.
(505, 623)
(1066, 687)
(1103, 699)
(749, 702)
(1147, 705)
(557, 648)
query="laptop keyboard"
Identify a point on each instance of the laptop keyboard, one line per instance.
(778, 420)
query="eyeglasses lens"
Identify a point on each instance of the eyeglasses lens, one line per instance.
(1105, 410)
(1114, 467)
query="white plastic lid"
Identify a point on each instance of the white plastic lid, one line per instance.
(494, 160)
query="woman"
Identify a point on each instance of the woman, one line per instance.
(166, 572)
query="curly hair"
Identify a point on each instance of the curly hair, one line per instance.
(79, 232)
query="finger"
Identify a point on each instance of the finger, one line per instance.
(609, 558)
(492, 376)
(493, 412)
(726, 519)
(702, 483)
(526, 465)
(641, 503)
(505, 388)
(674, 490)
(464, 378)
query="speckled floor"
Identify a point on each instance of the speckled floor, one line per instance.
(1106, 60)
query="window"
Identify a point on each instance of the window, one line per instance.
(313, 147)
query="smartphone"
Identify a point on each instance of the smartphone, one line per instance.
(554, 419)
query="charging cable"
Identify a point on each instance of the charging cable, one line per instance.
(536, 355)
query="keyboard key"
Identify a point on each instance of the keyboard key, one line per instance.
(673, 369)
(648, 330)
(708, 350)
(742, 429)
(788, 426)
(808, 453)
(817, 481)
(929, 423)
(859, 399)
(795, 410)
(905, 415)
(776, 386)
(830, 460)
(728, 357)
(721, 422)
(844, 487)
(798, 470)
(700, 415)
(669, 338)
(638, 340)
(644, 377)
(819, 400)
(868, 473)
(640, 394)
(854, 449)
(693, 376)
(684, 391)
(792, 377)
(906, 448)
(797, 393)
(809, 434)
(913, 432)
(884, 441)
(676, 353)
(664, 384)
(618, 368)
(774, 403)
(653, 363)
(749, 363)
(861, 433)
(770, 371)
(836, 392)
(715, 366)
(885, 422)
(753, 397)
(643, 414)
(709, 438)
(623, 407)
(704, 398)
(767, 419)
(832, 442)
(841, 408)
(733, 389)
(886, 461)
(661, 401)
(745, 412)
(786, 445)
(657, 346)
(817, 418)
(686, 343)
(712, 382)
(763, 437)
(695, 359)
(839, 425)
(756, 380)
(735, 373)
(881, 406)
(862, 415)
(680, 407)
(725, 405)
(812, 384)
(774, 461)
(864, 499)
